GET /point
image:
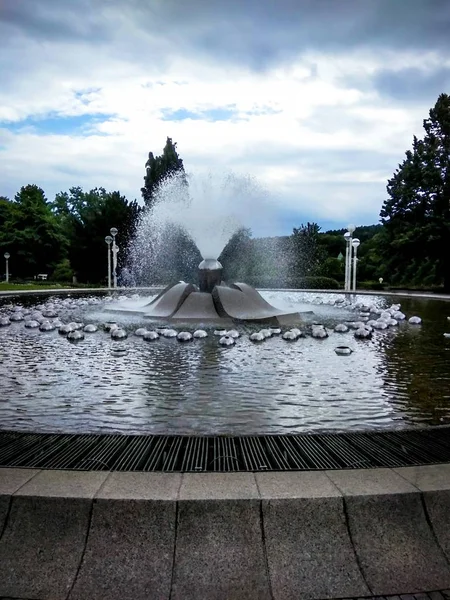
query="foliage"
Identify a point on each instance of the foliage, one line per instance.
(416, 216)
(300, 283)
(63, 272)
(237, 256)
(86, 218)
(31, 233)
(180, 259)
(307, 253)
(159, 169)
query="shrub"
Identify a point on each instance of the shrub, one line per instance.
(371, 285)
(63, 271)
(302, 283)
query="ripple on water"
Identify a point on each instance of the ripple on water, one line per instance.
(398, 378)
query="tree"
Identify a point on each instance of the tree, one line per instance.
(307, 254)
(237, 255)
(31, 233)
(159, 168)
(416, 215)
(87, 218)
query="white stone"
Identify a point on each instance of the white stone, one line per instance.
(266, 333)
(319, 332)
(363, 334)
(257, 337)
(399, 316)
(200, 333)
(233, 333)
(226, 340)
(150, 336)
(220, 332)
(343, 350)
(140, 331)
(341, 328)
(75, 335)
(169, 333)
(32, 324)
(415, 320)
(119, 334)
(184, 336)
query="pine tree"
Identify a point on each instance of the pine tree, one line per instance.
(159, 168)
(417, 213)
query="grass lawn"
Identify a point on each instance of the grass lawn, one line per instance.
(6, 287)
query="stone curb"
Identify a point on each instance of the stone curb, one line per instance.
(405, 294)
(314, 535)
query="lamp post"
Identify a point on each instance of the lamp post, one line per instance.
(347, 237)
(348, 257)
(355, 244)
(113, 232)
(108, 240)
(7, 255)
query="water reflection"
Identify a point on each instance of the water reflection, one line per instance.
(400, 377)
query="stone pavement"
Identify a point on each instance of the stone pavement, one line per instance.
(442, 595)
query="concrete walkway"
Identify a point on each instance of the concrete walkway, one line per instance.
(275, 536)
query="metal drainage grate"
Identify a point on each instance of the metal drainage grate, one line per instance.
(304, 452)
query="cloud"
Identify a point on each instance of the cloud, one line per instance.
(318, 103)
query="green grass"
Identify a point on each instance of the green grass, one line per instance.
(43, 285)
(6, 287)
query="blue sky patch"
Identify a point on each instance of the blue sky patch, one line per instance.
(213, 114)
(56, 125)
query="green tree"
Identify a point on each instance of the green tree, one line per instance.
(160, 168)
(31, 233)
(307, 254)
(237, 256)
(86, 218)
(416, 215)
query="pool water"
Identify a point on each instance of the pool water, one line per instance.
(399, 378)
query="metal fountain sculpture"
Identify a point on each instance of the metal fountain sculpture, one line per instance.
(213, 300)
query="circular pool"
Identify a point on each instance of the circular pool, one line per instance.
(399, 377)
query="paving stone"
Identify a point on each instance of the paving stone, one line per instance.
(436, 596)
(141, 486)
(13, 479)
(438, 507)
(368, 482)
(219, 550)
(427, 478)
(299, 484)
(218, 486)
(309, 551)
(395, 546)
(64, 484)
(129, 552)
(42, 545)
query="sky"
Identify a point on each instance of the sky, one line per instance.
(317, 100)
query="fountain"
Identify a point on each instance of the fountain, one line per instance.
(212, 300)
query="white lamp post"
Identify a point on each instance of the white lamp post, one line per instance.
(113, 232)
(348, 259)
(7, 255)
(355, 244)
(108, 240)
(348, 237)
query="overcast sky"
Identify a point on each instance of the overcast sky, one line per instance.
(316, 99)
